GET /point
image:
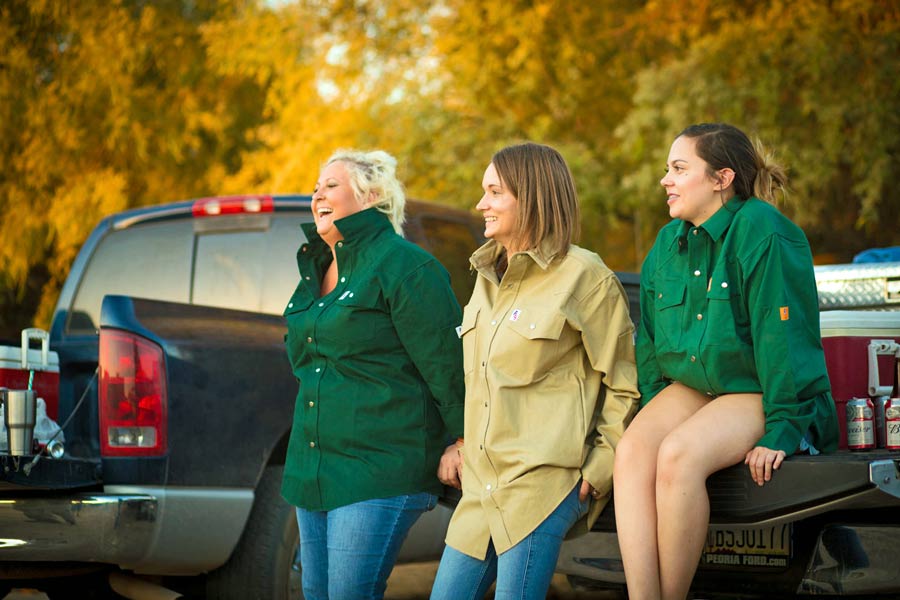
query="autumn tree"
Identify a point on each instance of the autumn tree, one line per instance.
(105, 105)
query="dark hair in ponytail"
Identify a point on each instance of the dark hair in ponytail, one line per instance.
(724, 146)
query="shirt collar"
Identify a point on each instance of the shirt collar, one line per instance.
(361, 225)
(716, 225)
(486, 256)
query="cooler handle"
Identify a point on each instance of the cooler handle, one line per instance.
(881, 347)
(35, 333)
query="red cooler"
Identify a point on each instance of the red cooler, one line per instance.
(860, 353)
(17, 363)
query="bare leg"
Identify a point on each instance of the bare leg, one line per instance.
(634, 483)
(716, 436)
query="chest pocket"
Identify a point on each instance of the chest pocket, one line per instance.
(356, 314)
(533, 345)
(669, 308)
(728, 322)
(300, 300)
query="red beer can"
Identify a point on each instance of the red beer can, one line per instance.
(892, 424)
(860, 424)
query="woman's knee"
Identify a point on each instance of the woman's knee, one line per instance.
(680, 459)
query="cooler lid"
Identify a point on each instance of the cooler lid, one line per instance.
(869, 323)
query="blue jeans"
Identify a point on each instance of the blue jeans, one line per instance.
(349, 552)
(522, 572)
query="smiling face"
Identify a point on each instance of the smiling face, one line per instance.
(500, 210)
(692, 195)
(333, 199)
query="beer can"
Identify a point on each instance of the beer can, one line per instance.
(860, 424)
(880, 432)
(892, 424)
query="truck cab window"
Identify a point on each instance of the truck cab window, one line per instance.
(248, 270)
(145, 261)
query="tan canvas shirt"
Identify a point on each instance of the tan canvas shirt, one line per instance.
(550, 385)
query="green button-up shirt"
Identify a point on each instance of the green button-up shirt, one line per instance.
(730, 307)
(379, 364)
(550, 386)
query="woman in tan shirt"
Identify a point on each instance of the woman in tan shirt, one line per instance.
(548, 351)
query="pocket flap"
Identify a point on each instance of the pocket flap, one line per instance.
(469, 320)
(673, 296)
(538, 326)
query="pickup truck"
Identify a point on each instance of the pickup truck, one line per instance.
(176, 398)
(826, 525)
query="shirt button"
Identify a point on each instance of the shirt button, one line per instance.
(343, 279)
(695, 232)
(699, 317)
(309, 340)
(321, 304)
(493, 322)
(290, 305)
(307, 277)
(318, 369)
(340, 244)
(303, 249)
(488, 487)
(724, 284)
(660, 295)
(697, 273)
(481, 446)
(531, 326)
(709, 393)
(312, 444)
(485, 404)
(693, 359)
(482, 363)
(311, 403)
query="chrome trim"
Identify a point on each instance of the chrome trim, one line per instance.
(196, 530)
(161, 531)
(885, 474)
(78, 528)
(854, 560)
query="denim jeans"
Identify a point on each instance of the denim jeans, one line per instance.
(348, 553)
(522, 572)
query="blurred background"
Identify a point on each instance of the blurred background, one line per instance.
(106, 105)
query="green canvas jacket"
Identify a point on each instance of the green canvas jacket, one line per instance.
(731, 306)
(379, 365)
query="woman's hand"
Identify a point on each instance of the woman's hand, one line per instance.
(451, 465)
(586, 490)
(762, 461)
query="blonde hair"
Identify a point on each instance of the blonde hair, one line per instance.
(374, 174)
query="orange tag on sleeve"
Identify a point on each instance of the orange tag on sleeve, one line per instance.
(784, 313)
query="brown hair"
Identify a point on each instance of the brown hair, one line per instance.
(724, 146)
(540, 179)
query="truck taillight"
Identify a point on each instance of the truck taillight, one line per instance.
(232, 205)
(133, 399)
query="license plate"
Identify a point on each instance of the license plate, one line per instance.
(748, 547)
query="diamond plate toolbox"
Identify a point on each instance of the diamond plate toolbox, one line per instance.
(863, 285)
